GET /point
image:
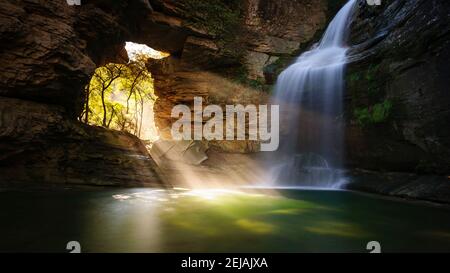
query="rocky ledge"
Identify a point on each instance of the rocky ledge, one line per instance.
(433, 188)
(39, 144)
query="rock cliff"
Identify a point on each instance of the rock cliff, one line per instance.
(227, 52)
(40, 145)
(229, 44)
(397, 87)
(50, 49)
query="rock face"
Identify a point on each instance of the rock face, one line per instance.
(39, 144)
(174, 86)
(277, 28)
(432, 188)
(224, 62)
(49, 50)
(397, 87)
(220, 50)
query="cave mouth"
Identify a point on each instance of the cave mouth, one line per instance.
(120, 96)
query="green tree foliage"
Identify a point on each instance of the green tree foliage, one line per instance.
(117, 95)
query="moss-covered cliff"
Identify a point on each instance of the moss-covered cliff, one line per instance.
(397, 87)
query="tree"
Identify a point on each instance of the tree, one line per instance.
(117, 95)
(106, 77)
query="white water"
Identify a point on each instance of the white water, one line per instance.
(309, 93)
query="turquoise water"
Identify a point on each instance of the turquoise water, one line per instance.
(152, 220)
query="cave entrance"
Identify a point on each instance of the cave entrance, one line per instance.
(121, 96)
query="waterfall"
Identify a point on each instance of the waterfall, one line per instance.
(309, 93)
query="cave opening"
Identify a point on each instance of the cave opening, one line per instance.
(120, 96)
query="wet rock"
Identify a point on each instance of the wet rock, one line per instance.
(432, 188)
(400, 54)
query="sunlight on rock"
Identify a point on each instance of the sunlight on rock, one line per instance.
(134, 50)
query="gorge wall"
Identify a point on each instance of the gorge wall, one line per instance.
(49, 51)
(397, 87)
(229, 43)
(227, 52)
(397, 101)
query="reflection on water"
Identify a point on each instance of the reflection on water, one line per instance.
(217, 220)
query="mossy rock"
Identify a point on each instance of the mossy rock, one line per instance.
(219, 18)
(376, 114)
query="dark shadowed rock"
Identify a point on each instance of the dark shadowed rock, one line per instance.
(432, 188)
(39, 144)
(397, 87)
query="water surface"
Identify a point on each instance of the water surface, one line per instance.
(154, 220)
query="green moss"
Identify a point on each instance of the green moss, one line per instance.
(378, 113)
(220, 18)
(223, 18)
(354, 77)
(381, 111)
(362, 116)
(371, 72)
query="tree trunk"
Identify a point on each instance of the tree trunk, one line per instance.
(86, 117)
(133, 85)
(104, 107)
(142, 114)
(113, 111)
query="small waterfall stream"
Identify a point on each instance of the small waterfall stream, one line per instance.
(309, 93)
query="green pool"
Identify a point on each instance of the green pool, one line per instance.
(179, 220)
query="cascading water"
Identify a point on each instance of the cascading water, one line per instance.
(309, 93)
